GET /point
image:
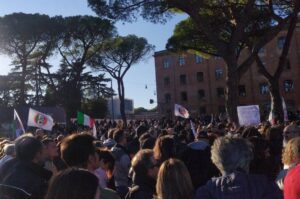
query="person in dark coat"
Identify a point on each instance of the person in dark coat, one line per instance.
(145, 170)
(26, 172)
(232, 156)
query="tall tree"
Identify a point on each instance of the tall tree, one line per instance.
(82, 38)
(273, 79)
(20, 35)
(120, 54)
(225, 25)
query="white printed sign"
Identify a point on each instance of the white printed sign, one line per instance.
(248, 115)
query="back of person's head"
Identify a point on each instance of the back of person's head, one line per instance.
(146, 141)
(9, 149)
(107, 158)
(27, 147)
(141, 130)
(73, 184)
(232, 154)
(250, 132)
(174, 181)
(291, 152)
(110, 133)
(76, 149)
(47, 141)
(119, 135)
(164, 148)
(142, 161)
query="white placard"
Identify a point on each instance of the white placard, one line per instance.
(248, 115)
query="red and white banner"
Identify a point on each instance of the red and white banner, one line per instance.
(39, 120)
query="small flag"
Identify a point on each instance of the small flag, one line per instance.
(19, 124)
(86, 120)
(181, 111)
(39, 120)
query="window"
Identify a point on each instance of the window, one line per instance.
(202, 110)
(263, 88)
(198, 59)
(166, 63)
(288, 86)
(280, 42)
(219, 73)
(183, 96)
(222, 109)
(242, 90)
(181, 60)
(166, 81)
(220, 92)
(201, 94)
(167, 98)
(200, 76)
(217, 58)
(182, 79)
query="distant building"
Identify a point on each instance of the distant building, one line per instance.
(199, 84)
(114, 107)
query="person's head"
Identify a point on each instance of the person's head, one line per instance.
(250, 132)
(141, 130)
(9, 149)
(290, 132)
(78, 150)
(39, 134)
(74, 184)
(106, 160)
(29, 149)
(164, 148)
(51, 150)
(174, 181)
(231, 154)
(144, 164)
(146, 141)
(120, 137)
(291, 153)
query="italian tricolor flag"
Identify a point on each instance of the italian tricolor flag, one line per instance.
(86, 120)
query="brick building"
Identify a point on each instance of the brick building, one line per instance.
(199, 83)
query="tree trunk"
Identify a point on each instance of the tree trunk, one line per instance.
(232, 96)
(22, 100)
(276, 100)
(121, 92)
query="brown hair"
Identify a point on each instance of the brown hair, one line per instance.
(174, 181)
(291, 150)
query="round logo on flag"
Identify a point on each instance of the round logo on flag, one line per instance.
(40, 119)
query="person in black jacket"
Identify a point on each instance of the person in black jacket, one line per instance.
(26, 172)
(145, 170)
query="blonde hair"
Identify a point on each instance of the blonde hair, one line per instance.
(174, 181)
(291, 150)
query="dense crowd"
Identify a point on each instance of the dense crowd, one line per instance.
(154, 160)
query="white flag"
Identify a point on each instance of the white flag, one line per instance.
(39, 120)
(19, 126)
(181, 111)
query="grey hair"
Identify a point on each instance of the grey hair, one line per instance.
(230, 154)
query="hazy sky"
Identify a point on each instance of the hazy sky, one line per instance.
(139, 76)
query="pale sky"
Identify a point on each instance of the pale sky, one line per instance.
(139, 76)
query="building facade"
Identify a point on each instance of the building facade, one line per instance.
(199, 84)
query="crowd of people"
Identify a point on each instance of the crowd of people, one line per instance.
(154, 159)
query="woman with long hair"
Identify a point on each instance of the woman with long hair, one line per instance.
(174, 181)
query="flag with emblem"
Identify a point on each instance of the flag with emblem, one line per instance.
(180, 111)
(39, 120)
